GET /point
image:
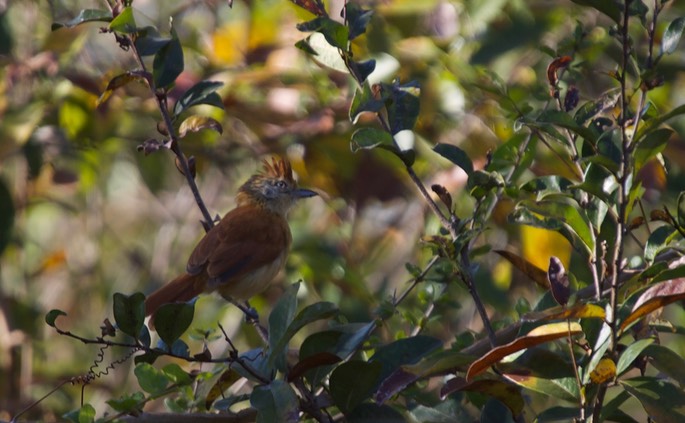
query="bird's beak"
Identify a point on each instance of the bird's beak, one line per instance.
(304, 193)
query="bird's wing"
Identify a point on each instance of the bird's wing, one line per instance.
(246, 239)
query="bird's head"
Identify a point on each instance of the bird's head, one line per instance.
(274, 188)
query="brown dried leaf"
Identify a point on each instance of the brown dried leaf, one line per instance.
(654, 298)
(537, 336)
(227, 379)
(538, 275)
(197, 123)
(553, 68)
(312, 362)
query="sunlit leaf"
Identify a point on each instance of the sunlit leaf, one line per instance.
(116, 82)
(197, 123)
(150, 379)
(657, 241)
(672, 35)
(85, 15)
(562, 388)
(604, 371)
(314, 7)
(630, 354)
(535, 337)
(124, 23)
(577, 311)
(204, 92)
(336, 34)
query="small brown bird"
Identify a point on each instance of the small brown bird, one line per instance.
(241, 254)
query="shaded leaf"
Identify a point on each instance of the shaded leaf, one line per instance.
(52, 315)
(404, 351)
(564, 120)
(129, 312)
(197, 123)
(653, 144)
(537, 336)
(658, 240)
(546, 185)
(309, 314)
(667, 361)
(168, 63)
(672, 35)
(7, 215)
(367, 413)
(351, 383)
(149, 41)
(336, 34)
(225, 381)
(456, 155)
(128, 403)
(311, 362)
(365, 100)
(357, 19)
(275, 402)
(201, 93)
(508, 394)
(172, 320)
(654, 394)
(85, 15)
(279, 320)
(402, 104)
(608, 7)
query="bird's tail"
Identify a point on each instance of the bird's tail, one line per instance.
(183, 288)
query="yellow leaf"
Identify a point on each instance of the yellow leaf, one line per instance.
(540, 244)
(605, 371)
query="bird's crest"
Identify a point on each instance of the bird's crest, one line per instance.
(279, 168)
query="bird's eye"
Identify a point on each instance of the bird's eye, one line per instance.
(281, 184)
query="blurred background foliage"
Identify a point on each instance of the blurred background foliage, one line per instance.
(83, 214)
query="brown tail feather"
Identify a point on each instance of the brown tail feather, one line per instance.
(183, 288)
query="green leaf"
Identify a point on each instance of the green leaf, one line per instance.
(655, 122)
(255, 362)
(197, 123)
(168, 63)
(336, 34)
(367, 413)
(323, 52)
(124, 23)
(149, 41)
(662, 400)
(667, 361)
(172, 320)
(128, 403)
(564, 120)
(151, 380)
(309, 314)
(275, 402)
(176, 374)
(402, 104)
(456, 155)
(279, 320)
(370, 138)
(547, 185)
(608, 7)
(52, 315)
(201, 93)
(653, 144)
(6, 215)
(404, 351)
(657, 241)
(362, 70)
(672, 35)
(129, 313)
(86, 414)
(364, 101)
(351, 383)
(630, 354)
(357, 19)
(85, 15)
(565, 388)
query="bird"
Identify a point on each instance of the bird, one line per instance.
(241, 255)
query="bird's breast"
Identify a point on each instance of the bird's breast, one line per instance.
(254, 282)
